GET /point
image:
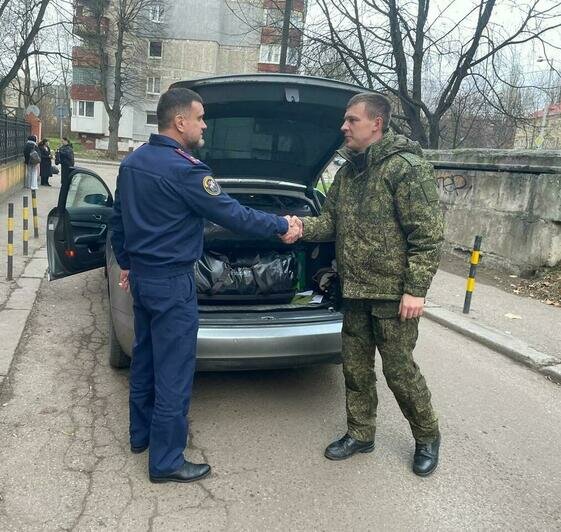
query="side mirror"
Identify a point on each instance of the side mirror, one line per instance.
(95, 199)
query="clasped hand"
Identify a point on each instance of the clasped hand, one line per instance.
(295, 229)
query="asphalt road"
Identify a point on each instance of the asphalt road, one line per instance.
(65, 463)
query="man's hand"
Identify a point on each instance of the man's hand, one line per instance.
(411, 307)
(295, 228)
(124, 280)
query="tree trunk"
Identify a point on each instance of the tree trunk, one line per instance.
(434, 132)
(113, 145)
(413, 115)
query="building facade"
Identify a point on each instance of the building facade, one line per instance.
(182, 39)
(542, 130)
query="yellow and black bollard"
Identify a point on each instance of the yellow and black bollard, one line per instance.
(10, 275)
(35, 217)
(25, 226)
(475, 255)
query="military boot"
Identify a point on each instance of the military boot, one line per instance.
(426, 457)
(346, 447)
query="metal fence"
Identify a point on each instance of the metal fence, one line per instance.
(13, 135)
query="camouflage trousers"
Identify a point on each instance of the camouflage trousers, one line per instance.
(368, 325)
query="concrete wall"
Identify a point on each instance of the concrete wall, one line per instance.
(11, 177)
(511, 198)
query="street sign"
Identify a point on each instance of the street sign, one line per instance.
(61, 111)
(538, 141)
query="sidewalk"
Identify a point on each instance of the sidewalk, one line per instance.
(17, 297)
(523, 329)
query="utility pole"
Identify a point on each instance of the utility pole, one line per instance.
(285, 35)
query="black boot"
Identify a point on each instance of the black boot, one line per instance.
(426, 457)
(188, 472)
(346, 447)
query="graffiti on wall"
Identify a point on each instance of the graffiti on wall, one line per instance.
(457, 184)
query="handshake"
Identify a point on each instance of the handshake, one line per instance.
(295, 229)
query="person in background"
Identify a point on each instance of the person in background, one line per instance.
(46, 163)
(32, 158)
(65, 157)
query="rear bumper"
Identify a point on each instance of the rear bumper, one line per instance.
(268, 347)
(222, 348)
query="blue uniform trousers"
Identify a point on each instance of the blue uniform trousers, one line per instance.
(163, 363)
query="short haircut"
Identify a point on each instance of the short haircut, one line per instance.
(172, 102)
(32, 137)
(376, 105)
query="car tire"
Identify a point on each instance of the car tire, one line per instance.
(118, 359)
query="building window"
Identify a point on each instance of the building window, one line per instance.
(83, 108)
(274, 18)
(155, 49)
(151, 119)
(85, 76)
(157, 12)
(270, 53)
(152, 85)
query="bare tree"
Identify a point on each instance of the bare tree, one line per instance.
(281, 22)
(116, 31)
(21, 21)
(421, 57)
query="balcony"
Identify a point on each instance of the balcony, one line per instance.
(86, 26)
(84, 57)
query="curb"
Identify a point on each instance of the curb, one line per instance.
(85, 162)
(547, 365)
(18, 307)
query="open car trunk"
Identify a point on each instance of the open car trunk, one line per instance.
(241, 273)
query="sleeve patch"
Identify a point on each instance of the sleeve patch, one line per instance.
(211, 186)
(429, 190)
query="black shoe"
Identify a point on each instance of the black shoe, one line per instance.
(139, 449)
(346, 447)
(426, 457)
(188, 472)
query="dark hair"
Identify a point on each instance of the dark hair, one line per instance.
(66, 139)
(43, 142)
(376, 105)
(32, 137)
(172, 102)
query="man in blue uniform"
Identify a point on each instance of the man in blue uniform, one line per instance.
(163, 196)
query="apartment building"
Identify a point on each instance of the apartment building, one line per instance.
(183, 39)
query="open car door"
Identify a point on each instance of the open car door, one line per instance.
(77, 228)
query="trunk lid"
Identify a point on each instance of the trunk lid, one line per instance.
(271, 126)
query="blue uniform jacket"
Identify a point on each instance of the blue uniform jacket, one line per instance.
(163, 196)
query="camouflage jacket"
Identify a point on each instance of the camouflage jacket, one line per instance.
(385, 219)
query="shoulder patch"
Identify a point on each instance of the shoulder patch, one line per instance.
(211, 186)
(187, 156)
(411, 158)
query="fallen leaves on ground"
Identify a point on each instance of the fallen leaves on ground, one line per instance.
(546, 286)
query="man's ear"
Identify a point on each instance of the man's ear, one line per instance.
(179, 122)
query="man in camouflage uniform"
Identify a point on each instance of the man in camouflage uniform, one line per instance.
(383, 212)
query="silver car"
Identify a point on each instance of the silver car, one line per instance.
(268, 140)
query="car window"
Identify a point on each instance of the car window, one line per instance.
(86, 190)
(266, 139)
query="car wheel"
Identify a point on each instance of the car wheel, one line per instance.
(118, 359)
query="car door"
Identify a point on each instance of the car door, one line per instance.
(77, 227)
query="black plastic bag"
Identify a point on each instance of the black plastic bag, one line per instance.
(246, 275)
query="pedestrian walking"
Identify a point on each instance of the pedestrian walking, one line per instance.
(383, 213)
(46, 168)
(32, 159)
(163, 196)
(65, 157)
